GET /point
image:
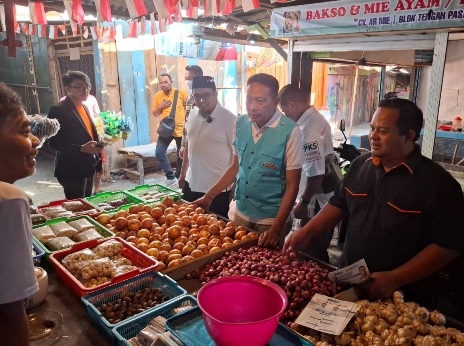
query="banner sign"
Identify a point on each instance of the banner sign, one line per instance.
(343, 17)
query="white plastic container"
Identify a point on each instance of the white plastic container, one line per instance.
(39, 297)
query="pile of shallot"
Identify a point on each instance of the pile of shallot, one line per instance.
(391, 323)
(299, 279)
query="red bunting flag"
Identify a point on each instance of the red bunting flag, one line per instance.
(43, 31)
(133, 29)
(77, 12)
(37, 12)
(103, 10)
(62, 28)
(68, 5)
(153, 23)
(86, 32)
(53, 32)
(143, 26)
(164, 8)
(229, 7)
(136, 8)
(32, 29)
(249, 5)
(112, 34)
(94, 32)
(25, 28)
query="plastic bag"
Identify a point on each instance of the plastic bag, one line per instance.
(73, 205)
(89, 234)
(109, 248)
(81, 225)
(71, 261)
(62, 229)
(43, 233)
(94, 282)
(59, 243)
(102, 267)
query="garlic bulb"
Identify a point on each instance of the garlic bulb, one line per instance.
(398, 297)
(437, 317)
(422, 314)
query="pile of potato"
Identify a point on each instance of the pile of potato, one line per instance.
(174, 233)
(391, 323)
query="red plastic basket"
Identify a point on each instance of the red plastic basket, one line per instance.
(59, 203)
(137, 257)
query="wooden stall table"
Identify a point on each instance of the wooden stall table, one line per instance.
(141, 152)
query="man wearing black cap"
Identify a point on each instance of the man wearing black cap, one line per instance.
(208, 148)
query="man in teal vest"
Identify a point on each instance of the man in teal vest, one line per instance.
(267, 164)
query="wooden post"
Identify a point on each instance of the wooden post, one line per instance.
(353, 100)
(53, 71)
(10, 20)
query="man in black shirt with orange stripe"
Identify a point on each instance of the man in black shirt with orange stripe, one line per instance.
(404, 208)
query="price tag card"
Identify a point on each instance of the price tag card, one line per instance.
(327, 315)
(355, 273)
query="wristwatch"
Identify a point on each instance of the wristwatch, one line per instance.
(304, 201)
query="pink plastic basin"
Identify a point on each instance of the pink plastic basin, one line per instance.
(241, 310)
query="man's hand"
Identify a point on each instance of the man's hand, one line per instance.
(298, 240)
(181, 182)
(301, 210)
(181, 152)
(165, 104)
(381, 285)
(204, 202)
(91, 148)
(269, 239)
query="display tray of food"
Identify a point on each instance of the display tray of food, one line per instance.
(125, 301)
(299, 277)
(110, 202)
(37, 253)
(141, 327)
(63, 232)
(154, 193)
(96, 264)
(175, 233)
(68, 208)
(389, 322)
(189, 327)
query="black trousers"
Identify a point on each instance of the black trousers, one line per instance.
(77, 188)
(220, 204)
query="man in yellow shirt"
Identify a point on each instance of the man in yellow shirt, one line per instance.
(164, 102)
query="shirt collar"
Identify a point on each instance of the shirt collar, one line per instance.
(306, 114)
(411, 163)
(272, 122)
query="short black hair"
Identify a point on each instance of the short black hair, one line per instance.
(410, 116)
(10, 103)
(195, 69)
(291, 93)
(266, 79)
(165, 75)
(72, 75)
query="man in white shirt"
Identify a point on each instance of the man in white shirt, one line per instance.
(266, 163)
(320, 167)
(209, 145)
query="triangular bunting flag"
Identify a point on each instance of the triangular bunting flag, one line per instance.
(132, 29)
(32, 29)
(136, 8)
(25, 28)
(86, 32)
(112, 33)
(249, 5)
(94, 32)
(163, 8)
(62, 28)
(143, 25)
(68, 5)
(37, 12)
(77, 12)
(103, 10)
(153, 23)
(43, 31)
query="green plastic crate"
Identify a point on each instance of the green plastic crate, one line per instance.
(105, 233)
(105, 197)
(142, 189)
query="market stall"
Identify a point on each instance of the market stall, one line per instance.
(389, 26)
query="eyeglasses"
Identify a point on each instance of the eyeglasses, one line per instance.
(199, 97)
(81, 87)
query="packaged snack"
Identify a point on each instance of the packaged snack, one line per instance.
(124, 269)
(109, 248)
(81, 225)
(37, 219)
(73, 205)
(121, 261)
(59, 243)
(95, 268)
(93, 282)
(43, 233)
(55, 212)
(90, 234)
(62, 229)
(72, 260)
